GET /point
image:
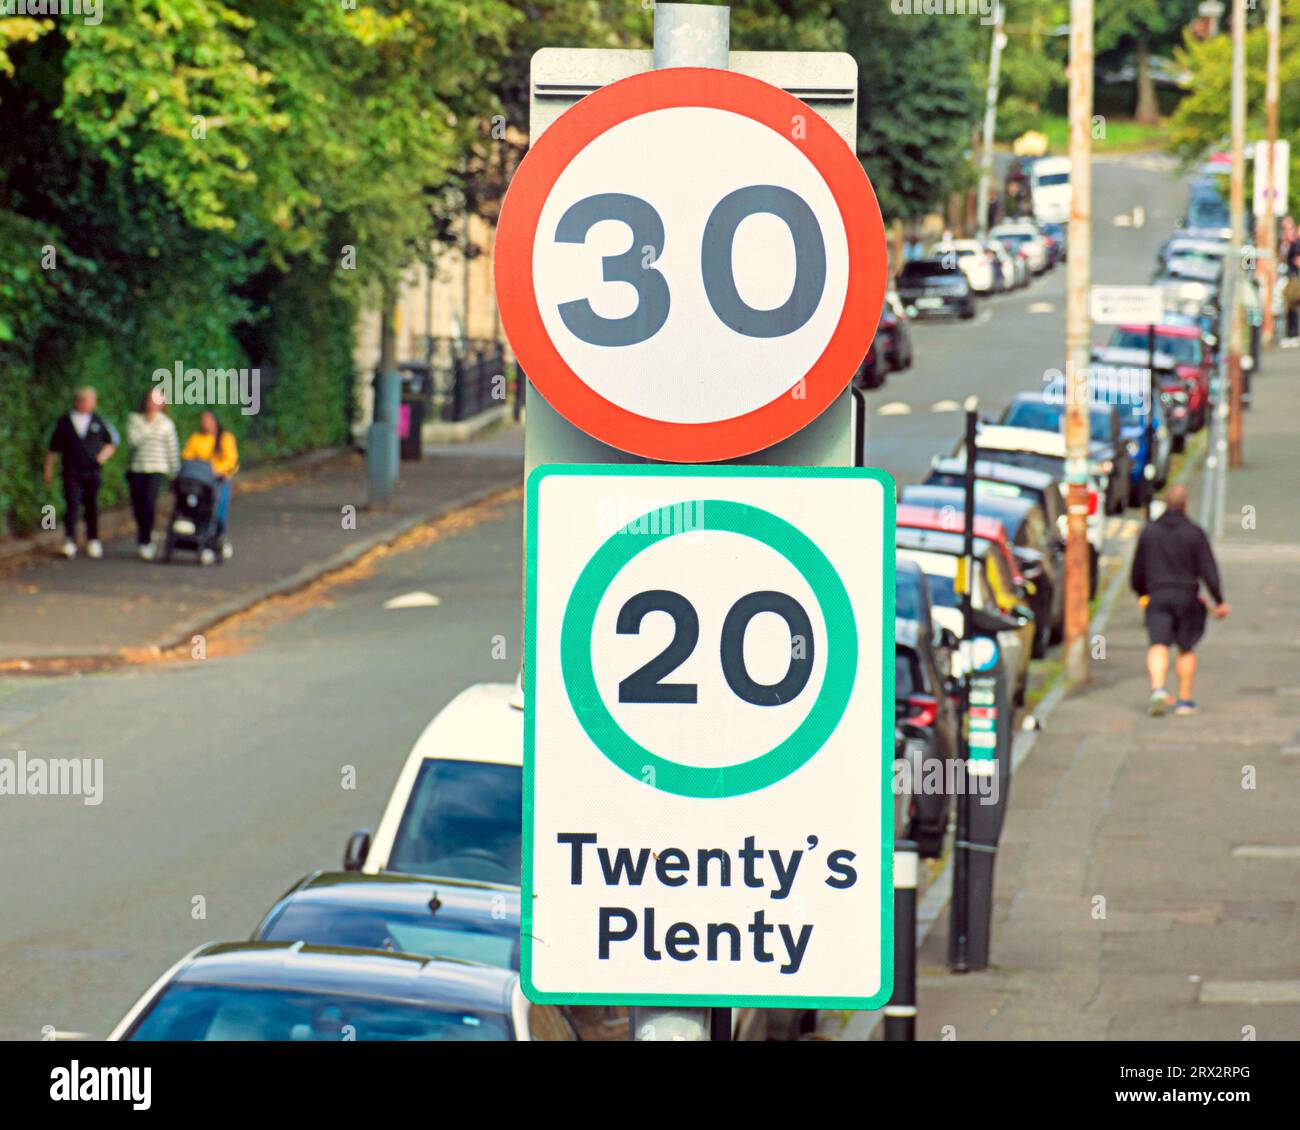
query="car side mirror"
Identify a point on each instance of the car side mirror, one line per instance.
(948, 638)
(358, 847)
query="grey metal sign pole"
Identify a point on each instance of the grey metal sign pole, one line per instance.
(686, 35)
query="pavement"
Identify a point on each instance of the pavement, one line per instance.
(288, 526)
(1147, 877)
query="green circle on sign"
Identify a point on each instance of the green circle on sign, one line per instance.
(692, 780)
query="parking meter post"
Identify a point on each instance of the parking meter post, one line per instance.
(900, 1012)
(990, 778)
(1149, 484)
(720, 1025)
(960, 917)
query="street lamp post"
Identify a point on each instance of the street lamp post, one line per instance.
(990, 120)
(1237, 202)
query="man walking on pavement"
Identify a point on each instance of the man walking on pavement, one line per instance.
(1173, 558)
(84, 442)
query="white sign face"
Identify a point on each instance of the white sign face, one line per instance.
(1127, 305)
(1281, 178)
(709, 736)
(640, 159)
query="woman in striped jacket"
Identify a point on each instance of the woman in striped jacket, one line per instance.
(155, 454)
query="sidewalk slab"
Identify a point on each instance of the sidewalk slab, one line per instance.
(1120, 892)
(286, 530)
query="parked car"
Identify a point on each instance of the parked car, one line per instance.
(923, 712)
(1061, 236)
(1024, 236)
(894, 334)
(873, 370)
(1006, 480)
(1109, 459)
(1181, 397)
(1006, 583)
(454, 812)
(1192, 356)
(933, 286)
(939, 553)
(287, 991)
(1010, 269)
(1036, 547)
(973, 259)
(1019, 263)
(1044, 451)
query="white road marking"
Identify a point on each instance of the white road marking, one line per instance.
(945, 406)
(1123, 220)
(1130, 527)
(983, 316)
(1266, 851)
(413, 600)
(1041, 307)
(894, 408)
(1250, 992)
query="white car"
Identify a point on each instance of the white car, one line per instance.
(1045, 451)
(1020, 235)
(455, 812)
(974, 260)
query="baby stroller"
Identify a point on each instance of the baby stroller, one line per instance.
(193, 524)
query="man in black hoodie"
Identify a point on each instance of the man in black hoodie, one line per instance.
(83, 441)
(1173, 558)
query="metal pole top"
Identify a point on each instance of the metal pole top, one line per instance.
(692, 35)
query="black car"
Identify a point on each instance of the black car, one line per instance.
(1109, 459)
(400, 914)
(935, 286)
(1037, 547)
(925, 718)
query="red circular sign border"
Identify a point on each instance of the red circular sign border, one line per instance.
(521, 211)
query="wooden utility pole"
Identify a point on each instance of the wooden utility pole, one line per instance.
(1266, 222)
(1237, 203)
(1078, 342)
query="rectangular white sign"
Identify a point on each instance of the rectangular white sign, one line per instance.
(1127, 305)
(1281, 178)
(708, 816)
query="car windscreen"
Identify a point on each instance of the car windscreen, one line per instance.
(1051, 464)
(1015, 239)
(463, 821)
(191, 1012)
(942, 593)
(428, 933)
(1184, 350)
(1040, 415)
(1050, 179)
(907, 596)
(922, 269)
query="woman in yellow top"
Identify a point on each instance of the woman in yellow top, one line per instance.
(214, 445)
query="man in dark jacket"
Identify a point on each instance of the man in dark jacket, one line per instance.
(1173, 558)
(83, 442)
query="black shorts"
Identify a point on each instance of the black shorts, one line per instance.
(1176, 618)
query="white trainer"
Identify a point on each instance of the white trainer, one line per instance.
(148, 551)
(227, 551)
(95, 548)
(207, 557)
(69, 549)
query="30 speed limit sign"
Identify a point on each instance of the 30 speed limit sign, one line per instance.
(709, 736)
(690, 265)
